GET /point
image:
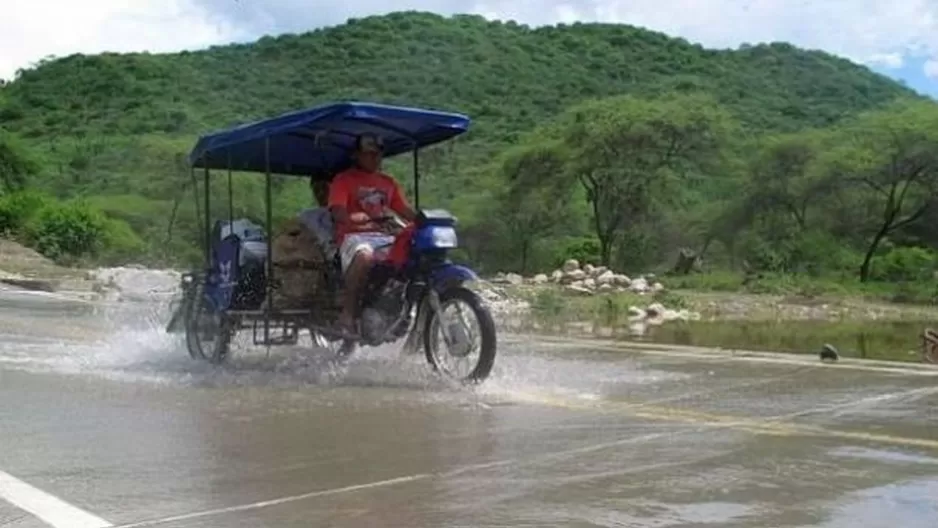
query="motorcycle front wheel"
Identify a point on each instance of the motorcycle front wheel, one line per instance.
(446, 355)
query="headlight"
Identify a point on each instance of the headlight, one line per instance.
(443, 237)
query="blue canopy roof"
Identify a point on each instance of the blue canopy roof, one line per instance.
(317, 140)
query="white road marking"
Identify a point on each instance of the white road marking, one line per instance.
(50, 509)
(282, 500)
(838, 408)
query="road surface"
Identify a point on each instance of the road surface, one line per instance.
(105, 421)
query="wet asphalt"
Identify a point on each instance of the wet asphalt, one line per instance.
(103, 411)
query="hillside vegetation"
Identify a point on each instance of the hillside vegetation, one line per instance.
(601, 141)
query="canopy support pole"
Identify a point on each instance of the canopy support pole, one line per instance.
(270, 244)
(230, 197)
(198, 207)
(417, 178)
(207, 220)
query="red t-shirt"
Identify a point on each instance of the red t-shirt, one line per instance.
(364, 192)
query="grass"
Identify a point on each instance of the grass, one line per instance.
(807, 286)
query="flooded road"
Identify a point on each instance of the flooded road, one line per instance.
(105, 421)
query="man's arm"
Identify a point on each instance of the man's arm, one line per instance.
(400, 206)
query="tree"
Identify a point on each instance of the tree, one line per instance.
(784, 178)
(887, 162)
(16, 163)
(626, 151)
(537, 194)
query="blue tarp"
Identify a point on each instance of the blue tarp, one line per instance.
(315, 140)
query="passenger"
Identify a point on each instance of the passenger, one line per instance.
(358, 197)
(319, 219)
(302, 248)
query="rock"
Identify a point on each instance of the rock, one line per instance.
(573, 276)
(30, 284)
(589, 269)
(638, 285)
(687, 315)
(606, 277)
(589, 283)
(657, 287)
(556, 276)
(540, 278)
(637, 313)
(7, 275)
(599, 270)
(507, 278)
(637, 328)
(687, 261)
(489, 294)
(138, 282)
(829, 353)
(605, 287)
(570, 265)
(578, 287)
(655, 309)
(621, 280)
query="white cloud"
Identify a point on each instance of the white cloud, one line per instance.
(870, 31)
(886, 60)
(33, 29)
(931, 69)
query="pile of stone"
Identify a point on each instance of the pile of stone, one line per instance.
(657, 314)
(136, 283)
(586, 280)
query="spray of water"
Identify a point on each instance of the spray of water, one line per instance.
(123, 338)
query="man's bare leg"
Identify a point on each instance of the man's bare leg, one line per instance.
(355, 279)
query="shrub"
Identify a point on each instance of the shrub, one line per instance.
(585, 250)
(905, 264)
(18, 208)
(70, 229)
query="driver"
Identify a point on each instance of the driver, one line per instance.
(359, 199)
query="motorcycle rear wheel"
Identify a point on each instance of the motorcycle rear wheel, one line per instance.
(208, 333)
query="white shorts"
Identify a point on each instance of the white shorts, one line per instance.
(378, 242)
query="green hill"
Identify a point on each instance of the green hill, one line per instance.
(507, 76)
(112, 127)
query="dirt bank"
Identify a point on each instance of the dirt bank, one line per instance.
(21, 267)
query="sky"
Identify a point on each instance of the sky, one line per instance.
(898, 38)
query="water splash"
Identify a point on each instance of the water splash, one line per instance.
(122, 338)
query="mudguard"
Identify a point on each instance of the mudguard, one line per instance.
(219, 289)
(446, 275)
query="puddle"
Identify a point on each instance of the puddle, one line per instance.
(894, 340)
(909, 504)
(881, 455)
(885, 340)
